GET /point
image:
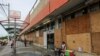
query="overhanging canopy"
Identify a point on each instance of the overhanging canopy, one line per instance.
(8, 25)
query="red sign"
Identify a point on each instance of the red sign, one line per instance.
(15, 14)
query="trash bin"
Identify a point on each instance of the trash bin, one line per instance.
(69, 53)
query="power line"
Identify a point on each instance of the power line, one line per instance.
(2, 13)
(3, 9)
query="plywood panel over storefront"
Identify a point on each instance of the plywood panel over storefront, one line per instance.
(72, 26)
(57, 38)
(95, 21)
(79, 40)
(40, 40)
(96, 42)
(37, 40)
(34, 35)
(77, 25)
(63, 30)
(41, 33)
(31, 36)
(84, 23)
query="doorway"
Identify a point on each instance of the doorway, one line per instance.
(50, 41)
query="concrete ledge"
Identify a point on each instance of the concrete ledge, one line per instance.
(42, 46)
(85, 54)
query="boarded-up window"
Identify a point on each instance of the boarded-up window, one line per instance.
(57, 38)
(74, 41)
(95, 21)
(78, 25)
(96, 42)
(41, 33)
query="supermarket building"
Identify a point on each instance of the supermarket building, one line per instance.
(76, 22)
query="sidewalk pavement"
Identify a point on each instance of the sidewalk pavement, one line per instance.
(20, 49)
(26, 51)
(43, 51)
(34, 49)
(6, 50)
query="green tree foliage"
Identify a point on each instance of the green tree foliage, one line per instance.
(4, 37)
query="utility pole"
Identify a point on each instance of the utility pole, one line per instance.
(14, 48)
(8, 20)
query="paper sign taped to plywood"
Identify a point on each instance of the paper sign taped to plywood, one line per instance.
(37, 33)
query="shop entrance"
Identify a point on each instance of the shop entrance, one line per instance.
(50, 41)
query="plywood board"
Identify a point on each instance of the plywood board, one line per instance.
(96, 42)
(79, 40)
(72, 26)
(95, 21)
(77, 25)
(40, 40)
(57, 38)
(84, 24)
(41, 33)
(31, 36)
(36, 40)
(63, 31)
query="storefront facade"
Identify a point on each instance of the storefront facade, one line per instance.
(78, 26)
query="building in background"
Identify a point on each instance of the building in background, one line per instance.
(77, 22)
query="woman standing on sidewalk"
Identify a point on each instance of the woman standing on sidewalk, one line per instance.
(63, 49)
(12, 43)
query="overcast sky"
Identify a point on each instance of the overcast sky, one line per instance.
(21, 5)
